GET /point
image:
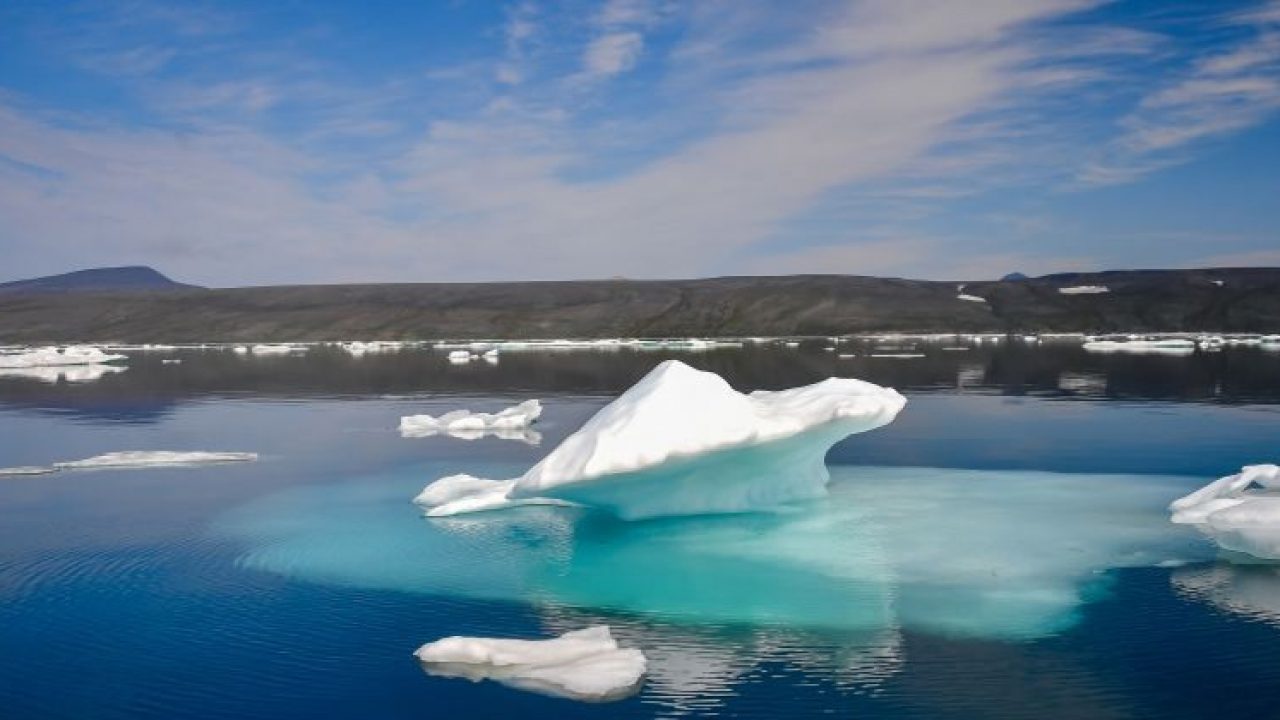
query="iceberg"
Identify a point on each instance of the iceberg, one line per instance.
(582, 664)
(275, 349)
(1084, 290)
(681, 441)
(57, 357)
(509, 424)
(1240, 512)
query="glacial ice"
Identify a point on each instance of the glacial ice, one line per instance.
(57, 357)
(582, 664)
(683, 442)
(510, 423)
(1240, 512)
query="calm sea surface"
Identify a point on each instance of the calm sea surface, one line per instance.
(1001, 551)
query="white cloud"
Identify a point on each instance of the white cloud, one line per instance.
(613, 53)
(1233, 89)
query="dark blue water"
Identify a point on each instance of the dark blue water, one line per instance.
(298, 586)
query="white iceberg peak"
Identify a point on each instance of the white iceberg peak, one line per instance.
(582, 664)
(682, 441)
(1240, 512)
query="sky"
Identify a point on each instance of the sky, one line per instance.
(250, 143)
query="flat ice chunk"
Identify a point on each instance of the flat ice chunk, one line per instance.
(683, 442)
(267, 349)
(1084, 290)
(27, 470)
(509, 423)
(971, 298)
(155, 458)
(1168, 346)
(68, 373)
(56, 357)
(1240, 512)
(581, 665)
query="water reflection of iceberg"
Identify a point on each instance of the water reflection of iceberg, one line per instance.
(1010, 555)
(1247, 590)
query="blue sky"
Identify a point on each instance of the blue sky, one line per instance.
(298, 142)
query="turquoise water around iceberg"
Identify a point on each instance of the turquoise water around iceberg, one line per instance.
(986, 554)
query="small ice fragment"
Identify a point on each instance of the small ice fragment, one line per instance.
(155, 458)
(27, 470)
(509, 423)
(57, 357)
(580, 665)
(971, 298)
(1084, 290)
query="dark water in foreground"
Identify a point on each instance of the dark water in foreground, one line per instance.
(999, 551)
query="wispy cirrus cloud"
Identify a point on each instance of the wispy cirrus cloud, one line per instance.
(1230, 89)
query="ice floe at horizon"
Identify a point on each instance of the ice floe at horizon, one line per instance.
(1084, 290)
(584, 664)
(682, 441)
(53, 356)
(68, 373)
(969, 553)
(132, 459)
(1240, 512)
(511, 423)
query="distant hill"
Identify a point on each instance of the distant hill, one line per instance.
(1239, 300)
(113, 279)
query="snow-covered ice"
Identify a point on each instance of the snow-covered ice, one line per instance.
(1240, 512)
(682, 441)
(68, 373)
(137, 459)
(57, 357)
(511, 423)
(582, 664)
(1143, 346)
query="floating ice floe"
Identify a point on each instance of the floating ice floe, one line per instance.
(1240, 512)
(971, 298)
(1147, 346)
(510, 423)
(67, 373)
(582, 664)
(683, 442)
(137, 459)
(57, 357)
(1084, 290)
(272, 349)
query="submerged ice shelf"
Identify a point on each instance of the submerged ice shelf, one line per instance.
(582, 664)
(682, 442)
(992, 554)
